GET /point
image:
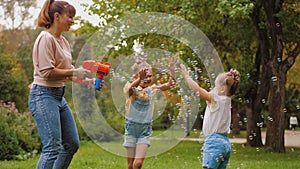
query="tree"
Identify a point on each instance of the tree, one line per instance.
(278, 68)
(16, 12)
(275, 24)
(13, 84)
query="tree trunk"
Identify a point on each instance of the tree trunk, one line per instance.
(277, 77)
(276, 118)
(235, 120)
(259, 95)
(253, 131)
(277, 110)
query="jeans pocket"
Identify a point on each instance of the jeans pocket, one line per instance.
(31, 104)
(128, 129)
(35, 101)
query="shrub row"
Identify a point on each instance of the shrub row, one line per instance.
(18, 134)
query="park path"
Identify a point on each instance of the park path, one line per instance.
(291, 139)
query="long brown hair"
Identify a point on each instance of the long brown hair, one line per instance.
(50, 7)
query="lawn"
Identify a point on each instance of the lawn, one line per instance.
(186, 155)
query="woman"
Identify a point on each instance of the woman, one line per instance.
(52, 68)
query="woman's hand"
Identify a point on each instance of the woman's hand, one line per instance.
(82, 73)
(91, 82)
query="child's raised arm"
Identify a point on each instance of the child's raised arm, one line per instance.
(172, 79)
(204, 94)
(138, 77)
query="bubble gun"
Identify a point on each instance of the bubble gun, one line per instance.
(100, 68)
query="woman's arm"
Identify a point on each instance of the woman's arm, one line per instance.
(79, 72)
(204, 94)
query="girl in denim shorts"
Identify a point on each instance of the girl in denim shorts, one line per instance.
(217, 117)
(139, 109)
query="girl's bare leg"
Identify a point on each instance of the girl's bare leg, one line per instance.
(130, 157)
(140, 153)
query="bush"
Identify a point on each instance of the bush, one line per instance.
(9, 142)
(20, 129)
(14, 83)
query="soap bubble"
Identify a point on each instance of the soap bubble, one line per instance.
(261, 124)
(279, 59)
(274, 78)
(270, 118)
(248, 75)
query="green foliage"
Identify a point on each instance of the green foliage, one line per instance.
(13, 83)
(235, 8)
(85, 27)
(24, 57)
(292, 103)
(9, 142)
(20, 129)
(290, 21)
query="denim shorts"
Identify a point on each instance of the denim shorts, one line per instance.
(137, 133)
(216, 151)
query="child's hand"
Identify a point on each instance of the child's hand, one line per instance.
(143, 73)
(173, 62)
(183, 71)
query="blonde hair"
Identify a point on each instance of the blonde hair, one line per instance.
(230, 80)
(138, 66)
(50, 7)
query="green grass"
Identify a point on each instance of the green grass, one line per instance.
(186, 155)
(196, 133)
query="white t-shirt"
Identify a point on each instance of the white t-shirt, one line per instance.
(293, 120)
(217, 116)
(48, 53)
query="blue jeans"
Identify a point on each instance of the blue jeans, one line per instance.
(56, 126)
(216, 151)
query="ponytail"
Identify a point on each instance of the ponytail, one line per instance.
(44, 19)
(232, 82)
(50, 7)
